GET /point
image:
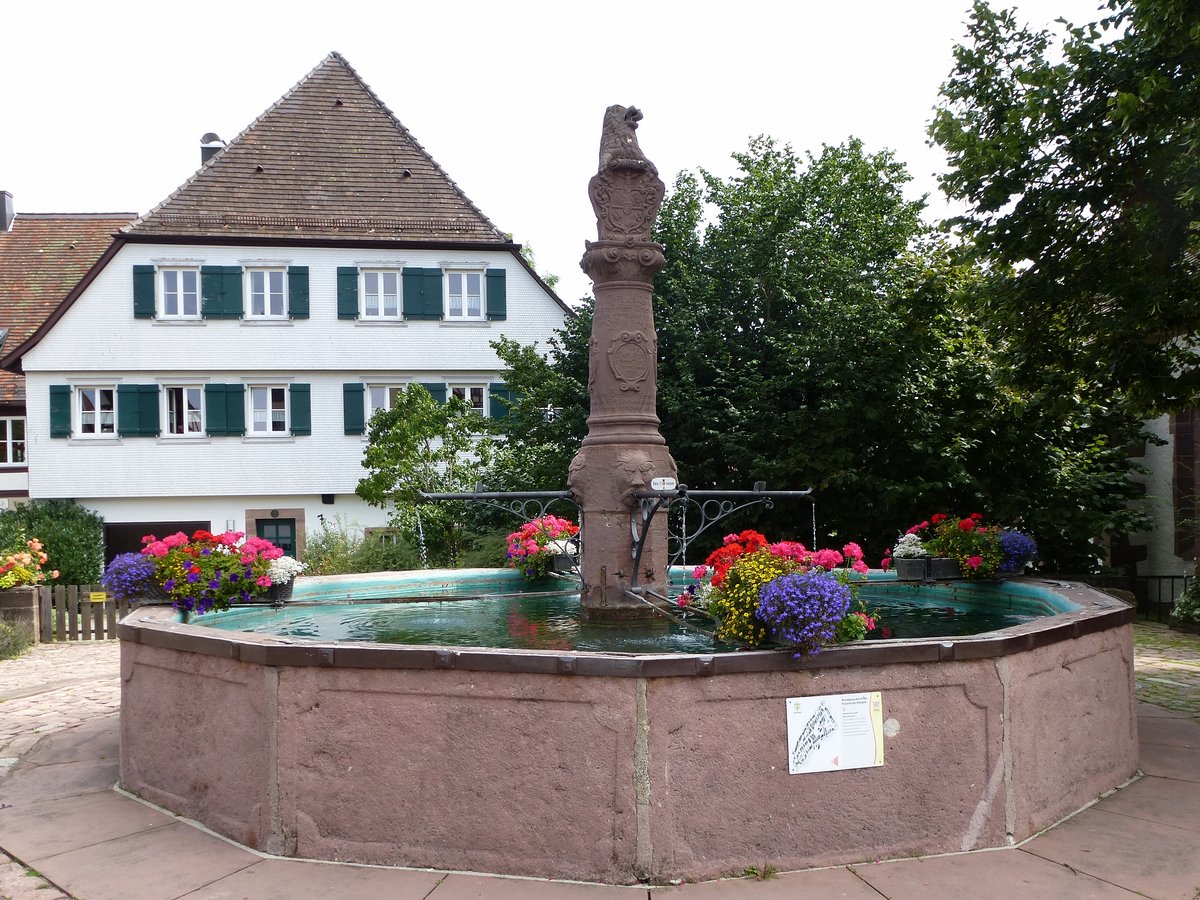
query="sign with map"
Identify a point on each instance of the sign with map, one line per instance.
(837, 731)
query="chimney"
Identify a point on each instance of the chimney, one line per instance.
(210, 146)
(9, 212)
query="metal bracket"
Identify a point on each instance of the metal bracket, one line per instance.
(712, 506)
(525, 505)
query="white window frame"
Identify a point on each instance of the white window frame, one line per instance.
(250, 272)
(160, 282)
(389, 387)
(165, 413)
(252, 422)
(365, 273)
(466, 388)
(8, 441)
(98, 416)
(464, 314)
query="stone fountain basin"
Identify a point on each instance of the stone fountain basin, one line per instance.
(618, 768)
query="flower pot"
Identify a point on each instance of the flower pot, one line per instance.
(911, 569)
(279, 593)
(943, 568)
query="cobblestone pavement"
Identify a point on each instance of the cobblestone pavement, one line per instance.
(53, 686)
(56, 686)
(1167, 665)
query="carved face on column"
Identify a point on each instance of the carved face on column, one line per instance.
(634, 470)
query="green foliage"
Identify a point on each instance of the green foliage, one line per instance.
(73, 537)
(339, 547)
(1187, 606)
(1078, 156)
(14, 640)
(422, 445)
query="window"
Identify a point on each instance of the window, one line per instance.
(380, 294)
(97, 411)
(267, 290)
(12, 442)
(180, 294)
(268, 410)
(464, 295)
(472, 394)
(184, 411)
(382, 396)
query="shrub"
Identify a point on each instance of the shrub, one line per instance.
(14, 640)
(73, 535)
(1187, 606)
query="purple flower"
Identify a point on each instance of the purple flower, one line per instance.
(193, 577)
(169, 584)
(215, 583)
(804, 609)
(233, 576)
(1016, 550)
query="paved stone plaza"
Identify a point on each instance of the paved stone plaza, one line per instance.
(58, 734)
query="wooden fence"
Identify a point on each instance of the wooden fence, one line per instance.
(68, 614)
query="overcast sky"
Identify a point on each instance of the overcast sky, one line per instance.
(104, 104)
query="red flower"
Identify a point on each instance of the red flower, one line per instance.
(938, 518)
(194, 569)
(976, 516)
(202, 535)
(966, 525)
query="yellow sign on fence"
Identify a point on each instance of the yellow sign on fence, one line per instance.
(97, 596)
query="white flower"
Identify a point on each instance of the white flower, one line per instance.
(284, 569)
(909, 547)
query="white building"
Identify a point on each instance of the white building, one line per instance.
(216, 367)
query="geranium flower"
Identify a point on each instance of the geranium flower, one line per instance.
(966, 525)
(974, 562)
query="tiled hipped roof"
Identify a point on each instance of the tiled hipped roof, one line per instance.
(328, 160)
(41, 259)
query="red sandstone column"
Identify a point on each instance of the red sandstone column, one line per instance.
(623, 450)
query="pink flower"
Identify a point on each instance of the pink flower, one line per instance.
(974, 562)
(699, 572)
(885, 563)
(247, 558)
(683, 600)
(852, 551)
(273, 553)
(730, 538)
(230, 538)
(789, 550)
(827, 559)
(860, 567)
(158, 548)
(178, 539)
(263, 581)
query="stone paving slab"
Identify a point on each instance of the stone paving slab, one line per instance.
(1163, 800)
(272, 879)
(986, 875)
(17, 883)
(32, 831)
(1157, 860)
(484, 887)
(159, 864)
(826, 884)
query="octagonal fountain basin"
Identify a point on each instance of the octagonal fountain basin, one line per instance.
(619, 766)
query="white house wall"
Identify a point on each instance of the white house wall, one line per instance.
(1160, 542)
(99, 341)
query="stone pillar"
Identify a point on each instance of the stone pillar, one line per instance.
(623, 450)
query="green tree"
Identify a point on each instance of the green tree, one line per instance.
(73, 535)
(423, 445)
(1078, 159)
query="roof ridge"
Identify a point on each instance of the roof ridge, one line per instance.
(207, 164)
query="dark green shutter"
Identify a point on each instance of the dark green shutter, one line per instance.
(60, 410)
(437, 390)
(497, 295)
(299, 396)
(500, 400)
(231, 294)
(297, 277)
(137, 410)
(422, 294)
(221, 292)
(354, 408)
(225, 409)
(347, 292)
(413, 288)
(143, 292)
(235, 409)
(214, 408)
(435, 301)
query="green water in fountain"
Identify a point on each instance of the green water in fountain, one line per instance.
(550, 620)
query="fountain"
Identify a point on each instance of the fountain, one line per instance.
(614, 766)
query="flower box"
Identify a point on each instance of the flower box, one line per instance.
(19, 609)
(943, 568)
(913, 569)
(278, 593)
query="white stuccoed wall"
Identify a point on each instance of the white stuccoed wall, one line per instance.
(99, 341)
(1160, 543)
